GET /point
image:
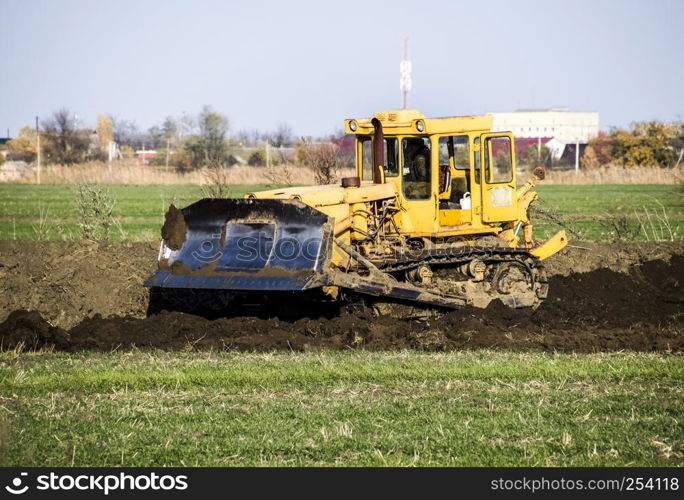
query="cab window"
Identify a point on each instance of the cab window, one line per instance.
(416, 168)
(454, 151)
(454, 170)
(366, 159)
(461, 152)
(391, 157)
(498, 168)
(391, 162)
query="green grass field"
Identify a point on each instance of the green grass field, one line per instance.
(140, 209)
(476, 408)
(472, 408)
(587, 210)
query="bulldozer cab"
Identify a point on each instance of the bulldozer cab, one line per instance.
(451, 174)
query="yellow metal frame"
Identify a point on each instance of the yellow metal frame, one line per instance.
(405, 122)
(551, 246)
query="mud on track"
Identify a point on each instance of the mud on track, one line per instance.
(73, 296)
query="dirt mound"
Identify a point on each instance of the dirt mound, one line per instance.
(621, 256)
(27, 330)
(595, 311)
(69, 281)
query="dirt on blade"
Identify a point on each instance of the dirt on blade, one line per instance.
(174, 229)
(74, 296)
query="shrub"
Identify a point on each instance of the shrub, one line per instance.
(323, 160)
(258, 157)
(217, 182)
(589, 159)
(95, 207)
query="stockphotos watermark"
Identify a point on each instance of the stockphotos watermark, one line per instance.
(104, 483)
(263, 247)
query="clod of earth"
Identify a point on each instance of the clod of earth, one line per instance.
(174, 229)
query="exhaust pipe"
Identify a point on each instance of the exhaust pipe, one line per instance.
(378, 152)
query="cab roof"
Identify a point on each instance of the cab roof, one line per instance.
(408, 121)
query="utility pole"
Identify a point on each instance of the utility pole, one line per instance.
(577, 156)
(110, 154)
(405, 80)
(38, 150)
(538, 149)
(168, 145)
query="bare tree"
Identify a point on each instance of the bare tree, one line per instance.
(242, 137)
(170, 129)
(126, 133)
(323, 160)
(217, 182)
(154, 138)
(66, 144)
(282, 135)
(255, 136)
(249, 137)
(213, 128)
(208, 147)
(185, 125)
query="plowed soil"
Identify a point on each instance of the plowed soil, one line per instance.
(73, 296)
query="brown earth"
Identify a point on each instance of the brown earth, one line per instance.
(174, 229)
(90, 296)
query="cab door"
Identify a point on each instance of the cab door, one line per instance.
(418, 174)
(499, 200)
(455, 185)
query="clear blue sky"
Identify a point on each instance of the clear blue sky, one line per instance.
(314, 63)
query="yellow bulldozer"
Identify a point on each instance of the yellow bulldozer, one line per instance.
(433, 216)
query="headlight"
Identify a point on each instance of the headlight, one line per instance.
(353, 125)
(420, 125)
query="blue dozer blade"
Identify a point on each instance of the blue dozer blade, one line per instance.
(248, 244)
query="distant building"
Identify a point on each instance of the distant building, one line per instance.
(567, 127)
(555, 146)
(145, 155)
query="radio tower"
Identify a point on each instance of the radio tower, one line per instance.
(405, 80)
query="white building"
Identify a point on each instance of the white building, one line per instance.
(568, 127)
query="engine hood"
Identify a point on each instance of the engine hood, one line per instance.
(322, 196)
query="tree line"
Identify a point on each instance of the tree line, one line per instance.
(195, 141)
(645, 143)
(642, 144)
(185, 142)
